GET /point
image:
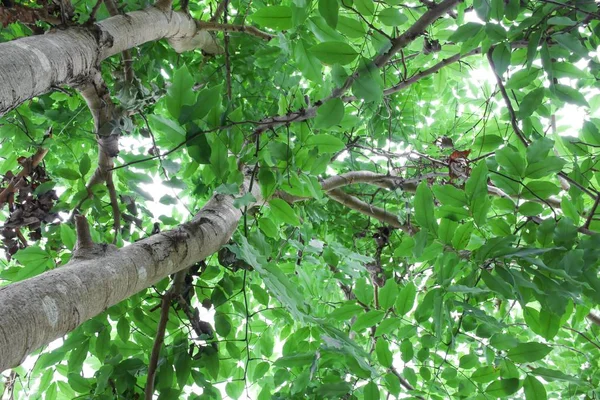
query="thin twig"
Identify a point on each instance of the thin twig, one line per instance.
(114, 203)
(165, 306)
(511, 110)
(220, 8)
(216, 27)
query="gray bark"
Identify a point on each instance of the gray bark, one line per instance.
(33, 65)
(39, 310)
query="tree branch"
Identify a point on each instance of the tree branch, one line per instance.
(165, 307)
(216, 27)
(368, 209)
(511, 110)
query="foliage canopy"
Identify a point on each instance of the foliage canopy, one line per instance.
(455, 256)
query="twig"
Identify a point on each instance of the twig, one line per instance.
(250, 30)
(593, 318)
(171, 294)
(220, 8)
(588, 221)
(403, 381)
(114, 203)
(95, 10)
(511, 110)
(227, 56)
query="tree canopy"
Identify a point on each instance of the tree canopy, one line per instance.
(407, 193)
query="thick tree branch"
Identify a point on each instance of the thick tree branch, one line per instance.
(57, 301)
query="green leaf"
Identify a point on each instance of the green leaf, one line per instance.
(502, 387)
(571, 43)
(260, 370)
(334, 52)
(345, 312)
(540, 169)
(351, 27)
(466, 31)
(85, 164)
(275, 17)
(326, 143)
(552, 375)
(485, 374)
(78, 383)
(369, 85)
(392, 17)
(388, 294)
(283, 212)
(166, 128)
(234, 389)
(384, 355)
(367, 320)
(198, 147)
(32, 257)
(208, 99)
(218, 158)
(522, 78)
(424, 208)
(308, 63)
(476, 185)
(371, 391)
(569, 95)
(538, 150)
(329, 114)
(406, 299)
(568, 70)
(181, 92)
(528, 352)
(501, 57)
(539, 189)
(67, 236)
(530, 209)
(534, 389)
(450, 195)
(531, 102)
(67, 173)
(512, 161)
(365, 7)
(329, 11)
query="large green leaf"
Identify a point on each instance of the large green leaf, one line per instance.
(275, 17)
(334, 52)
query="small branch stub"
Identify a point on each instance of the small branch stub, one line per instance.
(85, 248)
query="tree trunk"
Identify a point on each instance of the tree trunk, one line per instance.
(41, 309)
(31, 66)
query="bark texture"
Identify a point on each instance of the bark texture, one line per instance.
(41, 309)
(33, 65)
